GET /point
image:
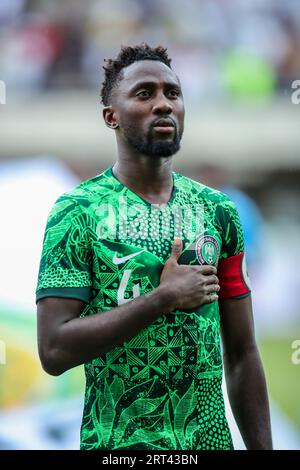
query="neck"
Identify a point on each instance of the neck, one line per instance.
(149, 177)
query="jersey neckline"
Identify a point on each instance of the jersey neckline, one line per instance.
(110, 173)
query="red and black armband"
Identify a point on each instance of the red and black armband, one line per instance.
(233, 276)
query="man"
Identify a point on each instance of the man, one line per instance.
(128, 284)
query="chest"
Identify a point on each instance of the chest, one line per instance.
(131, 246)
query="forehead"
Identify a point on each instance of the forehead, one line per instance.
(150, 71)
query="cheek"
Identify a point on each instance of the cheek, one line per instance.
(181, 119)
(133, 118)
(132, 108)
(181, 112)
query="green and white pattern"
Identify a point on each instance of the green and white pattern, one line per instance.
(106, 245)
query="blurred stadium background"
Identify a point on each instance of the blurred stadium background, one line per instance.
(237, 60)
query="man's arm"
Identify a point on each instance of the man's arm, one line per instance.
(66, 340)
(244, 373)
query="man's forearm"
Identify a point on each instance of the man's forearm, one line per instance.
(82, 339)
(248, 397)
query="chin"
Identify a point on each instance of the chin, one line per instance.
(164, 149)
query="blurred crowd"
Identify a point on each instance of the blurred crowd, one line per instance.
(232, 50)
(236, 48)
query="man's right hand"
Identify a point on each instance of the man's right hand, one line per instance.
(190, 286)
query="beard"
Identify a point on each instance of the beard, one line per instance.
(147, 145)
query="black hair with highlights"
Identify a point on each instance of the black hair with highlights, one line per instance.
(127, 56)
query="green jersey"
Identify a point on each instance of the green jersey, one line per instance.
(106, 245)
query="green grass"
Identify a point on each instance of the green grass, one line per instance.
(283, 377)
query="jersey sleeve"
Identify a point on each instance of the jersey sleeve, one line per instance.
(232, 269)
(65, 267)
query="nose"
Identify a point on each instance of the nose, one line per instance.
(162, 105)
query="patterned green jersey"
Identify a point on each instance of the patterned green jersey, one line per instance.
(106, 245)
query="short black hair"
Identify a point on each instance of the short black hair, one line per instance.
(127, 56)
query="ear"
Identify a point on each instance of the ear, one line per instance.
(109, 117)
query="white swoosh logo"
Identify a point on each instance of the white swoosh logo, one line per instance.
(117, 260)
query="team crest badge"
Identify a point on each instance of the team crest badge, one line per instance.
(207, 250)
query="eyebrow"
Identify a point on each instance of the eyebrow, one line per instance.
(148, 84)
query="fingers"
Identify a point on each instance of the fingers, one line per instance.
(211, 298)
(207, 269)
(211, 279)
(212, 288)
(176, 249)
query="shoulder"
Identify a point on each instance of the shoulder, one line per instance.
(88, 193)
(203, 192)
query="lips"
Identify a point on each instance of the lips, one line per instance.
(164, 125)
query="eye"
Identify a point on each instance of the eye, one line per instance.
(143, 94)
(174, 93)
